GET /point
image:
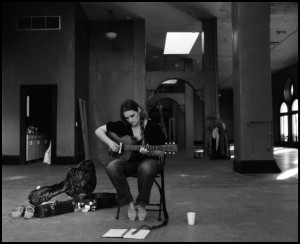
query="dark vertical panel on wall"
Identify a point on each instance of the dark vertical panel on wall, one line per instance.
(81, 75)
(226, 111)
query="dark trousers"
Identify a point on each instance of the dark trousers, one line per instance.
(118, 170)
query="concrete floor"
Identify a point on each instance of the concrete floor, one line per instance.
(230, 207)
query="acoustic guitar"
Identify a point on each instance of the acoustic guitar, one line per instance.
(128, 146)
(81, 179)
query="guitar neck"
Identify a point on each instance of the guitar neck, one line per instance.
(138, 147)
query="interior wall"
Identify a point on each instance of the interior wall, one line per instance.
(278, 82)
(35, 58)
(113, 72)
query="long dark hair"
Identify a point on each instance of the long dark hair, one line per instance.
(132, 105)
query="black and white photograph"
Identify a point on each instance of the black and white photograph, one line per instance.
(149, 121)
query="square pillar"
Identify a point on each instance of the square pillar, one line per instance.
(253, 125)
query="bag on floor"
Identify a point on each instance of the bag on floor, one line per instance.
(55, 208)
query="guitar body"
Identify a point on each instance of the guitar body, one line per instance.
(81, 179)
(125, 140)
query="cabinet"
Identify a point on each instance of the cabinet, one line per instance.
(36, 146)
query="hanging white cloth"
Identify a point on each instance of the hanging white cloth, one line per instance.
(223, 124)
(47, 157)
(215, 135)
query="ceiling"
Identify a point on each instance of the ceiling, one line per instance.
(163, 17)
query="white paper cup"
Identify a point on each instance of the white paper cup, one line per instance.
(191, 216)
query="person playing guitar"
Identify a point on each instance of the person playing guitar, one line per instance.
(136, 129)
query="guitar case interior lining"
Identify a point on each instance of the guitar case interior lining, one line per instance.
(100, 199)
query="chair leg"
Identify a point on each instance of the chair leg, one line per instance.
(117, 217)
(159, 213)
(162, 193)
(162, 200)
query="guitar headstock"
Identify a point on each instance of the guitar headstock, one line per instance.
(170, 148)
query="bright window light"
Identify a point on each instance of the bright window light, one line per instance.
(288, 174)
(170, 82)
(180, 42)
(283, 150)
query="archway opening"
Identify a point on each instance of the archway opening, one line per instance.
(182, 109)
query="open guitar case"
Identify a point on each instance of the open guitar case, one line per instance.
(79, 184)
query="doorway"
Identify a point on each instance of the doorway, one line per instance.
(38, 124)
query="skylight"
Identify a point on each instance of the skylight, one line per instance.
(180, 42)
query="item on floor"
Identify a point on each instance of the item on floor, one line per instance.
(29, 212)
(98, 200)
(17, 212)
(54, 208)
(81, 179)
(198, 153)
(126, 233)
(87, 208)
(191, 217)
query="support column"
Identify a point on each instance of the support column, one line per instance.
(189, 117)
(253, 117)
(210, 62)
(139, 57)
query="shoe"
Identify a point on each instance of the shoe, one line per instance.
(131, 211)
(17, 212)
(142, 212)
(29, 212)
